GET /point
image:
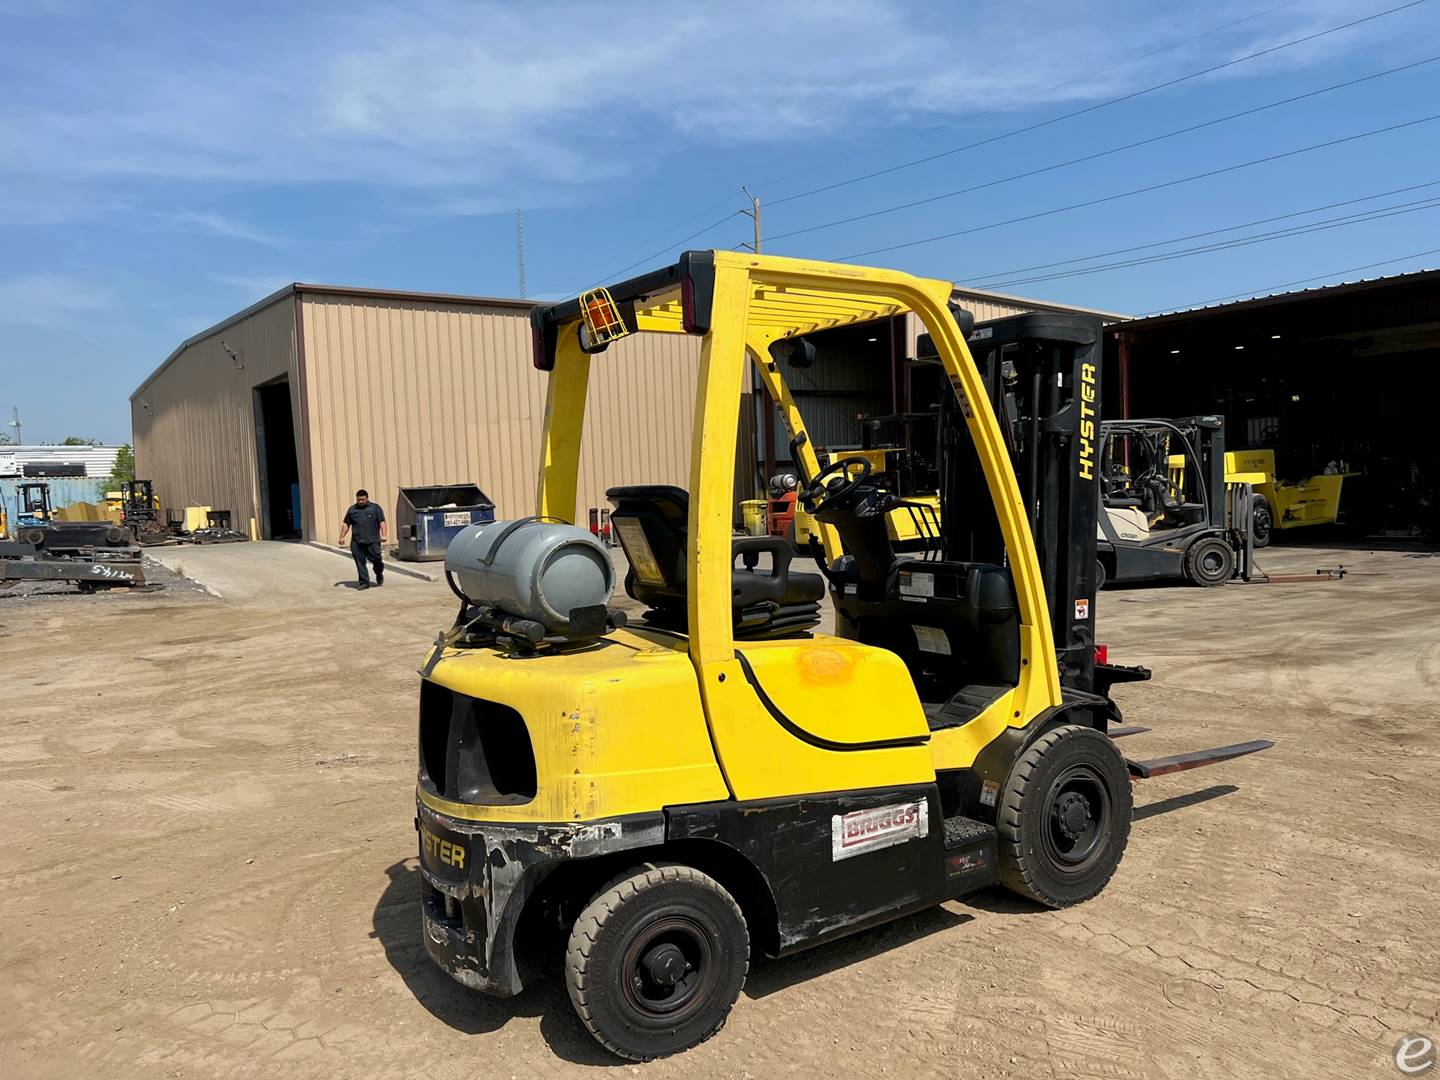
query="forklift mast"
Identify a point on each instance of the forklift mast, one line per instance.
(1042, 371)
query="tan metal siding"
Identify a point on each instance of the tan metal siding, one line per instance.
(405, 392)
(194, 420)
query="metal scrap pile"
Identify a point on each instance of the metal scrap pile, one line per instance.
(213, 536)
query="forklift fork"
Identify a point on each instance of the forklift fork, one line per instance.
(1194, 759)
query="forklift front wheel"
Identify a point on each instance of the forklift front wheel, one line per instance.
(656, 960)
(1065, 817)
(1209, 562)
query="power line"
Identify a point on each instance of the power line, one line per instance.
(956, 121)
(671, 247)
(1098, 105)
(1106, 153)
(1268, 289)
(1143, 190)
(1243, 241)
(952, 123)
(588, 276)
(980, 280)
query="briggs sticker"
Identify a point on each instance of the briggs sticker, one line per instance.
(884, 826)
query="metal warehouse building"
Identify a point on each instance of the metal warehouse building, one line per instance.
(1343, 373)
(281, 411)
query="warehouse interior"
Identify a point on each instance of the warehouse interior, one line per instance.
(278, 464)
(1342, 378)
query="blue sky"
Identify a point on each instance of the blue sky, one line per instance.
(163, 165)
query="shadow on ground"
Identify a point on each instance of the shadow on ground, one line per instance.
(1179, 802)
(397, 927)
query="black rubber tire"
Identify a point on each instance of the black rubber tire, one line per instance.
(1209, 562)
(603, 961)
(34, 537)
(1262, 521)
(1032, 863)
(1100, 576)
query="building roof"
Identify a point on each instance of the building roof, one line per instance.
(298, 287)
(1275, 299)
(1033, 304)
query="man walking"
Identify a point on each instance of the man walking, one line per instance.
(368, 521)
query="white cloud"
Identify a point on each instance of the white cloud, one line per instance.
(524, 102)
(256, 286)
(50, 299)
(220, 225)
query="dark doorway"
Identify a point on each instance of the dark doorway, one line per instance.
(279, 467)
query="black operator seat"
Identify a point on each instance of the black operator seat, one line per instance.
(651, 521)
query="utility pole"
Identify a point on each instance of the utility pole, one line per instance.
(15, 422)
(754, 214)
(520, 248)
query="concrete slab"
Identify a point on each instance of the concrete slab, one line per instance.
(273, 572)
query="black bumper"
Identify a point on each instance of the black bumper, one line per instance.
(476, 877)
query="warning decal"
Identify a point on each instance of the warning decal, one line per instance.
(931, 639)
(915, 583)
(870, 830)
(1082, 609)
(642, 559)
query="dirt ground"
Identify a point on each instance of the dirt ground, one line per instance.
(207, 856)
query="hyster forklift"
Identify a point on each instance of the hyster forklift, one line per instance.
(1164, 509)
(645, 805)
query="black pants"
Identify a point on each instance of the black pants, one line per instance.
(362, 552)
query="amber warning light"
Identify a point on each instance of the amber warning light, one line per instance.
(603, 323)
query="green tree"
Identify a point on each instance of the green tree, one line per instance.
(124, 470)
(79, 440)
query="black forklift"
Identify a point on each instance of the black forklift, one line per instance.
(1163, 503)
(140, 511)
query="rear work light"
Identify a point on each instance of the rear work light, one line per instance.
(602, 320)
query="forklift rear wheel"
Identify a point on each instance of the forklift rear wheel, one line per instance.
(1209, 562)
(1262, 521)
(656, 960)
(1100, 577)
(1064, 819)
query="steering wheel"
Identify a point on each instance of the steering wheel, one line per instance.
(821, 492)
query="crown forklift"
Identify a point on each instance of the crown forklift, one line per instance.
(644, 805)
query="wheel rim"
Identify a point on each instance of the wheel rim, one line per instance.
(1212, 562)
(668, 967)
(1260, 523)
(1078, 812)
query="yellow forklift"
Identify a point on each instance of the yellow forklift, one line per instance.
(644, 805)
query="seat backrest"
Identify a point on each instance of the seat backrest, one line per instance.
(650, 520)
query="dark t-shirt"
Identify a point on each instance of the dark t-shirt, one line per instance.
(364, 522)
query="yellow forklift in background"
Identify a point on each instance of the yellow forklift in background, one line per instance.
(1282, 504)
(642, 806)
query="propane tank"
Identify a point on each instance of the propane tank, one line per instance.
(531, 569)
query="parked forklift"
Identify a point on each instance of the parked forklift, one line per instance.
(140, 510)
(1165, 512)
(642, 804)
